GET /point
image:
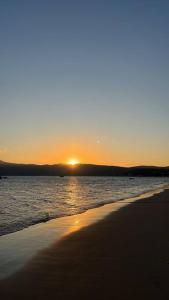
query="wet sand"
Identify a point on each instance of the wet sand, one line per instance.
(124, 256)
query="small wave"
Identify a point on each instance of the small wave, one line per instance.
(31, 209)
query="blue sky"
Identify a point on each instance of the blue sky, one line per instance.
(75, 72)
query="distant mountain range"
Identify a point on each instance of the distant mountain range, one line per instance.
(13, 169)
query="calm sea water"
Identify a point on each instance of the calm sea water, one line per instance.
(29, 200)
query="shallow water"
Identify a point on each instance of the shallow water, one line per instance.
(18, 248)
(29, 200)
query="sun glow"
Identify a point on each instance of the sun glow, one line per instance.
(73, 162)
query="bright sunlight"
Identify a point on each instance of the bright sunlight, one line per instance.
(73, 162)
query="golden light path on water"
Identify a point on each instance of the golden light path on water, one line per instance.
(19, 247)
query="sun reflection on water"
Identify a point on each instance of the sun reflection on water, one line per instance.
(72, 192)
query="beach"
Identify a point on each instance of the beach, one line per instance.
(123, 256)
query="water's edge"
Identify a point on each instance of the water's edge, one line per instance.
(19, 247)
(49, 218)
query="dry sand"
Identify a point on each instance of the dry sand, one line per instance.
(125, 256)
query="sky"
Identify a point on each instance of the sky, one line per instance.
(86, 80)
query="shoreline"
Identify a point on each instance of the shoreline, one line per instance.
(98, 205)
(18, 248)
(124, 255)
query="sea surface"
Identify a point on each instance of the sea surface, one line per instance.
(25, 201)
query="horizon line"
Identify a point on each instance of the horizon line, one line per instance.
(92, 164)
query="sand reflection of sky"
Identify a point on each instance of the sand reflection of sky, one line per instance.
(19, 247)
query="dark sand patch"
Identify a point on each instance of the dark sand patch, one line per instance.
(124, 256)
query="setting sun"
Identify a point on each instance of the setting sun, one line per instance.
(73, 162)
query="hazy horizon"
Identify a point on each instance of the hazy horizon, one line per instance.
(84, 80)
(80, 163)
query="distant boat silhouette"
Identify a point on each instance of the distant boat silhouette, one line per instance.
(1, 177)
(131, 178)
(61, 175)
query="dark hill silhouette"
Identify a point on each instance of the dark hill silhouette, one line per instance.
(13, 169)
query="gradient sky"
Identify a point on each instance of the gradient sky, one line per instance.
(84, 79)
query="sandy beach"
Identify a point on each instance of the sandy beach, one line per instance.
(124, 256)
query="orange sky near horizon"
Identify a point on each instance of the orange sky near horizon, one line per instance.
(96, 152)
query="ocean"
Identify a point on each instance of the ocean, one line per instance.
(25, 201)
